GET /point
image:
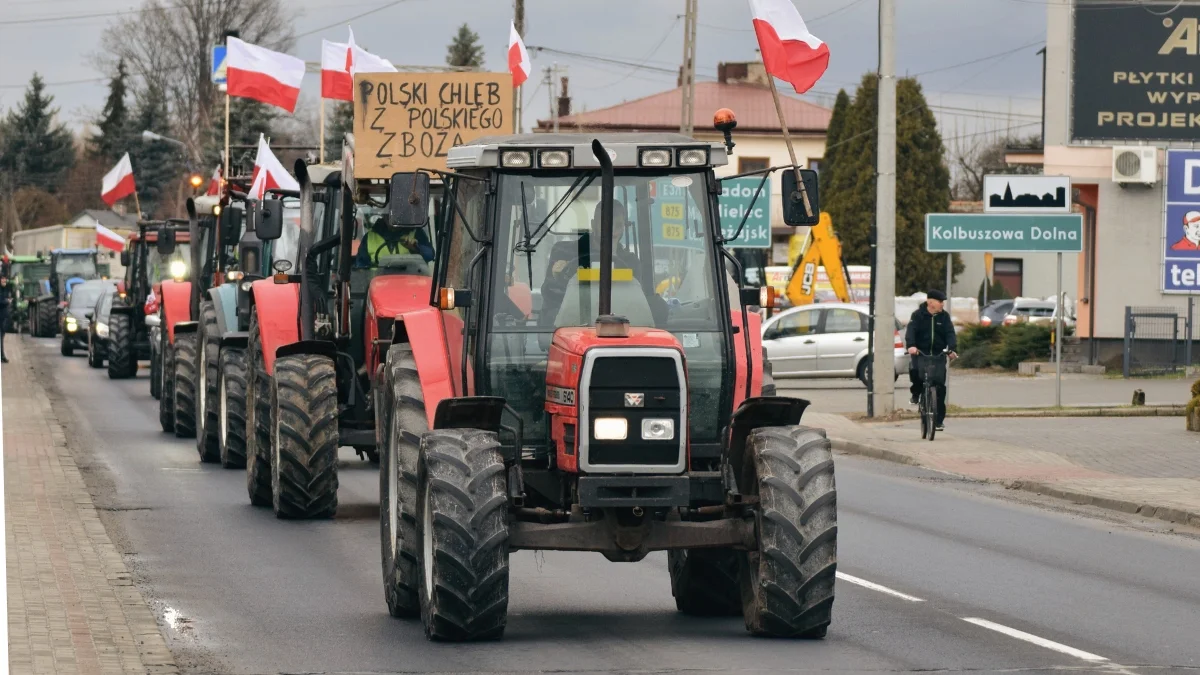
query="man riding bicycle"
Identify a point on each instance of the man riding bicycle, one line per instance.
(930, 332)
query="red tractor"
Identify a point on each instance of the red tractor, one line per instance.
(548, 396)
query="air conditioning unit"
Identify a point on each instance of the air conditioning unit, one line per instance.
(1136, 164)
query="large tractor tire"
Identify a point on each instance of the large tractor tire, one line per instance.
(705, 581)
(258, 421)
(404, 404)
(47, 319)
(787, 583)
(231, 392)
(156, 373)
(208, 404)
(304, 410)
(462, 524)
(185, 384)
(122, 361)
(166, 401)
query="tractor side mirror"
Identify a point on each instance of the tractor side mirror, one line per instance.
(124, 258)
(408, 200)
(793, 201)
(166, 240)
(231, 226)
(270, 220)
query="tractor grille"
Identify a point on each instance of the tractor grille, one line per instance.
(634, 384)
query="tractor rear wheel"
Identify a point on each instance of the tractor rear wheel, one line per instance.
(705, 582)
(462, 526)
(208, 443)
(122, 362)
(231, 392)
(258, 420)
(787, 584)
(166, 399)
(47, 317)
(185, 384)
(304, 411)
(404, 404)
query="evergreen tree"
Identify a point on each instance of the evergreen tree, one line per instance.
(465, 51)
(337, 126)
(835, 133)
(922, 184)
(157, 166)
(34, 150)
(109, 143)
(247, 120)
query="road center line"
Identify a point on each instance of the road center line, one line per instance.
(876, 587)
(1041, 642)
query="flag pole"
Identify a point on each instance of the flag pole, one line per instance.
(322, 151)
(787, 138)
(137, 203)
(225, 175)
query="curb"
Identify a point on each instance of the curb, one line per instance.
(1139, 411)
(1165, 513)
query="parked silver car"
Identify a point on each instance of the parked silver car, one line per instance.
(824, 340)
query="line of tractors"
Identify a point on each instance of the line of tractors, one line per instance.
(496, 336)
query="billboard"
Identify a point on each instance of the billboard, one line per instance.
(1181, 225)
(1134, 71)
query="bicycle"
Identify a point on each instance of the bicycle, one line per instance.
(927, 404)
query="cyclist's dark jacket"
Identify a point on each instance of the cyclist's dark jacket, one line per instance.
(930, 333)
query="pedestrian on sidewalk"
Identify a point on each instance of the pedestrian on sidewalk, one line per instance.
(930, 331)
(5, 304)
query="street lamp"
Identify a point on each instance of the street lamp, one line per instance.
(148, 135)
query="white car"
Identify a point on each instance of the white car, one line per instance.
(824, 340)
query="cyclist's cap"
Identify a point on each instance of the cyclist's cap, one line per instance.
(935, 294)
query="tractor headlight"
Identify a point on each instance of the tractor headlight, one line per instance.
(234, 275)
(102, 330)
(245, 286)
(656, 158)
(610, 428)
(658, 429)
(515, 159)
(693, 157)
(178, 269)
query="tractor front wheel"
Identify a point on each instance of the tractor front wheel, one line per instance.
(403, 402)
(208, 443)
(462, 527)
(258, 421)
(705, 581)
(304, 412)
(231, 392)
(185, 385)
(166, 399)
(787, 583)
(122, 362)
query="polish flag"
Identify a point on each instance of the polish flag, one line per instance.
(214, 184)
(118, 183)
(336, 82)
(269, 172)
(518, 58)
(109, 239)
(789, 51)
(363, 61)
(263, 75)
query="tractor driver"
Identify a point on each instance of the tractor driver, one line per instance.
(381, 239)
(564, 262)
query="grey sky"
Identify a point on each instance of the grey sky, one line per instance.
(932, 35)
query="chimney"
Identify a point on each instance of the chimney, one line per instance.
(746, 72)
(564, 100)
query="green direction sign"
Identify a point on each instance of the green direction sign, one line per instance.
(1003, 233)
(671, 201)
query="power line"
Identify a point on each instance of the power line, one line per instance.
(353, 18)
(56, 84)
(806, 21)
(980, 59)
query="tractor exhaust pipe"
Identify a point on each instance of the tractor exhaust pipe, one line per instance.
(607, 325)
(196, 261)
(306, 244)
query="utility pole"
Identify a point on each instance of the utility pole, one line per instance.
(884, 274)
(550, 75)
(519, 22)
(688, 73)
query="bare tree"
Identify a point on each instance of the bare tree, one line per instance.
(971, 162)
(169, 45)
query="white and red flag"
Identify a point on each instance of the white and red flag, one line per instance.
(109, 239)
(118, 183)
(263, 75)
(518, 58)
(269, 173)
(214, 183)
(789, 51)
(363, 61)
(336, 82)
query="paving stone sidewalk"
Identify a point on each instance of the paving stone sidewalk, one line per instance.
(1149, 466)
(72, 606)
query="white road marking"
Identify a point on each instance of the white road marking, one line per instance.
(1033, 639)
(876, 587)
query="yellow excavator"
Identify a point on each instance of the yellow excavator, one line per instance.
(821, 248)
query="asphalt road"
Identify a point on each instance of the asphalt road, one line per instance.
(985, 582)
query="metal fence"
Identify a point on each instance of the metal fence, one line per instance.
(1158, 340)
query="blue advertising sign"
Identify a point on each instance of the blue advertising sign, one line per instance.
(1181, 240)
(671, 227)
(218, 64)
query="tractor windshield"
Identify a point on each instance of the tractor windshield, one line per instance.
(77, 266)
(158, 266)
(547, 277)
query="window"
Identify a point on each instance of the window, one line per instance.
(815, 164)
(1008, 271)
(843, 321)
(747, 164)
(797, 324)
